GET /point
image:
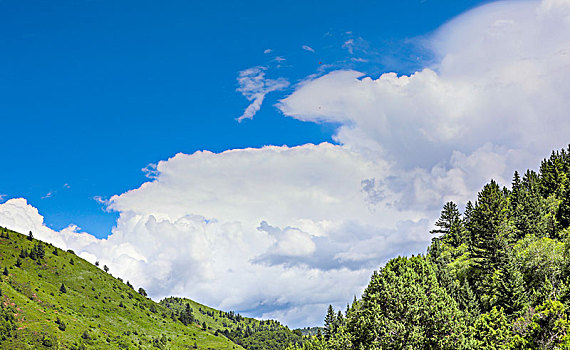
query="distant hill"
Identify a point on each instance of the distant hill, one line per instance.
(52, 299)
(247, 332)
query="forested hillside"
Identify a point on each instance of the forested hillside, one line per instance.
(496, 276)
(248, 332)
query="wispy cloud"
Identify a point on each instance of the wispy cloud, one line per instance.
(48, 195)
(267, 51)
(254, 86)
(103, 201)
(2, 197)
(308, 48)
(150, 171)
(349, 45)
(355, 44)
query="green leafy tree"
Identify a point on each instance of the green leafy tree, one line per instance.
(491, 330)
(547, 327)
(404, 307)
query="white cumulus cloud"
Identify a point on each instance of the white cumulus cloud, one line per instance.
(262, 231)
(502, 78)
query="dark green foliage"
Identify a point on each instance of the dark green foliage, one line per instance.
(490, 232)
(404, 307)
(30, 236)
(509, 292)
(62, 288)
(330, 321)
(497, 277)
(450, 225)
(60, 324)
(5, 273)
(142, 292)
(7, 322)
(186, 316)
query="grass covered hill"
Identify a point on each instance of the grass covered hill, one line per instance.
(52, 299)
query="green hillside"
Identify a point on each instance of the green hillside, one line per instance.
(52, 299)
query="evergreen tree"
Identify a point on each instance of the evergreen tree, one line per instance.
(509, 290)
(450, 225)
(40, 250)
(30, 236)
(527, 206)
(467, 301)
(490, 232)
(330, 320)
(186, 316)
(6, 273)
(62, 288)
(339, 321)
(33, 254)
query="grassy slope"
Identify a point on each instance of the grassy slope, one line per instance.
(113, 314)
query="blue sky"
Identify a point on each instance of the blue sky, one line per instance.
(359, 120)
(93, 91)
